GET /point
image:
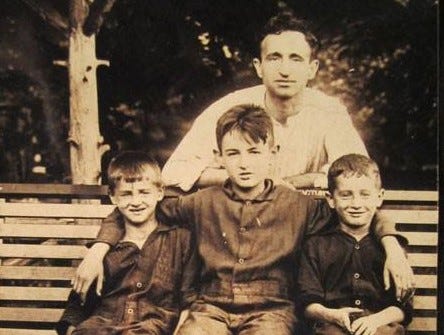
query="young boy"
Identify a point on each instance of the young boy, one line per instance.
(248, 232)
(340, 275)
(149, 273)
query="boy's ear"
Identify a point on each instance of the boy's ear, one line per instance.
(218, 157)
(381, 197)
(112, 198)
(330, 200)
(275, 149)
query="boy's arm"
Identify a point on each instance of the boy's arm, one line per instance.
(396, 264)
(339, 316)
(370, 323)
(111, 231)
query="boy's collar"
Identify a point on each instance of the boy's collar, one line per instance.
(266, 195)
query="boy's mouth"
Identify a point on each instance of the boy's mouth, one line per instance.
(245, 175)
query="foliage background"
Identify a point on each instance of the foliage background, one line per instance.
(170, 59)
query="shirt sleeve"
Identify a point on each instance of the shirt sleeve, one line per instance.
(111, 230)
(195, 152)
(342, 138)
(309, 278)
(191, 271)
(75, 313)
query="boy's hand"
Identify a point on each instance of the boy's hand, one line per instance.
(366, 325)
(89, 269)
(399, 268)
(341, 316)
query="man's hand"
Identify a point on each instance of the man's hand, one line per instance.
(70, 330)
(341, 316)
(398, 267)
(366, 325)
(90, 269)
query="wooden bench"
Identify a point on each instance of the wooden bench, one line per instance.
(43, 229)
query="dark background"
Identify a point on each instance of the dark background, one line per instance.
(170, 59)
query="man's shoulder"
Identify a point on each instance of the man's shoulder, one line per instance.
(249, 95)
(287, 196)
(316, 99)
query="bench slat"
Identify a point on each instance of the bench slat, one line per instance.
(401, 195)
(426, 281)
(411, 216)
(37, 272)
(16, 331)
(425, 302)
(34, 293)
(55, 210)
(423, 324)
(49, 231)
(421, 238)
(423, 260)
(26, 314)
(42, 251)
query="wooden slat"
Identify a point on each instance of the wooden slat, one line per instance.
(399, 195)
(14, 331)
(412, 216)
(425, 302)
(34, 293)
(37, 272)
(26, 314)
(423, 260)
(426, 281)
(421, 238)
(49, 231)
(42, 251)
(424, 324)
(54, 189)
(55, 210)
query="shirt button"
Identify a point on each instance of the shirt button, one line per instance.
(139, 285)
(243, 229)
(357, 302)
(356, 275)
(241, 261)
(357, 247)
(130, 311)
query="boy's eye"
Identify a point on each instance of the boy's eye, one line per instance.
(232, 153)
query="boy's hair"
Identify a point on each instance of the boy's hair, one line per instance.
(286, 21)
(350, 165)
(132, 166)
(249, 120)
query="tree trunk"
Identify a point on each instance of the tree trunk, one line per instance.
(86, 143)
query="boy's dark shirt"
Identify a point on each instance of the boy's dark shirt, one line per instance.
(338, 271)
(249, 248)
(144, 288)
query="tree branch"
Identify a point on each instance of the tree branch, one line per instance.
(49, 14)
(97, 11)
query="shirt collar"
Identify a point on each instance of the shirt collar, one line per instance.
(267, 194)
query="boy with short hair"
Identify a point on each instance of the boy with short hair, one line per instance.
(341, 270)
(149, 273)
(249, 233)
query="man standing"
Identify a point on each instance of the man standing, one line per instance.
(312, 129)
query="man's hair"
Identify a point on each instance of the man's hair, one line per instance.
(249, 120)
(353, 165)
(132, 166)
(286, 21)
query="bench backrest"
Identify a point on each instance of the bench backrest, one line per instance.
(42, 242)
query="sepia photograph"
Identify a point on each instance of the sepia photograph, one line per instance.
(219, 167)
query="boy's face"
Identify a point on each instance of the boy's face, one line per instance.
(355, 199)
(285, 65)
(137, 200)
(247, 163)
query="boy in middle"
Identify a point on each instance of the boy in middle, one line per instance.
(248, 232)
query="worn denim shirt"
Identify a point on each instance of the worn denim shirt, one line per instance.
(249, 248)
(338, 271)
(144, 289)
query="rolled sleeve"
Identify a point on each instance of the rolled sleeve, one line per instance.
(111, 230)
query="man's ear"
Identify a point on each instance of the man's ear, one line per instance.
(258, 66)
(313, 69)
(330, 200)
(380, 197)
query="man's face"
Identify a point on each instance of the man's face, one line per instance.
(137, 200)
(285, 65)
(355, 199)
(247, 163)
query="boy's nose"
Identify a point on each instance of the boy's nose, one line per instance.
(356, 202)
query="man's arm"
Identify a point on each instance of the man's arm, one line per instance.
(308, 180)
(212, 176)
